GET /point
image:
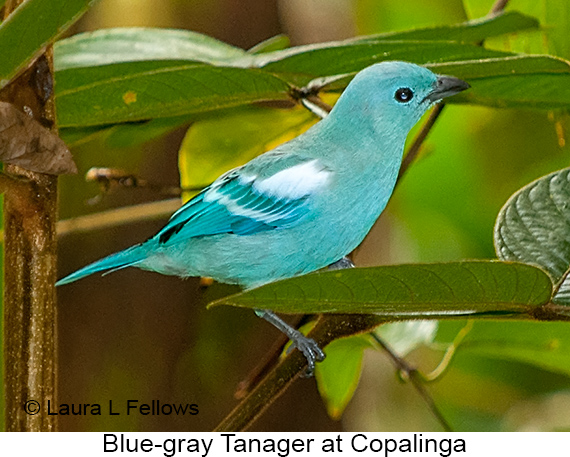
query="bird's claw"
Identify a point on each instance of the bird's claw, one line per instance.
(310, 349)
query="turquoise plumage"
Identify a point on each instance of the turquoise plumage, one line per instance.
(305, 204)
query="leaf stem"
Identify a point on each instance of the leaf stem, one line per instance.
(449, 353)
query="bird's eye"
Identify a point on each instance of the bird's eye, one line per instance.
(404, 95)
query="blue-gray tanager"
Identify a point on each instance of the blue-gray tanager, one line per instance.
(303, 205)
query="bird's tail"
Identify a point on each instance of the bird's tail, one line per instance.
(122, 259)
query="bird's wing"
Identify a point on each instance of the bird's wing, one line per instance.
(271, 193)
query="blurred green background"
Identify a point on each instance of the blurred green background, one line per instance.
(138, 335)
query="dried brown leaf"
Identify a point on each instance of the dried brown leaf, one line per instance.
(26, 143)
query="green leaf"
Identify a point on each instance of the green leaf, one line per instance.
(30, 28)
(123, 135)
(276, 43)
(144, 90)
(543, 344)
(125, 75)
(534, 227)
(109, 76)
(301, 64)
(405, 291)
(518, 81)
(213, 146)
(133, 91)
(472, 31)
(421, 46)
(338, 375)
(75, 137)
(133, 134)
(552, 38)
(508, 82)
(557, 16)
(118, 45)
(485, 386)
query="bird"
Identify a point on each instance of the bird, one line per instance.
(302, 206)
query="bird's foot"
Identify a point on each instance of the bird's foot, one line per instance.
(308, 347)
(341, 264)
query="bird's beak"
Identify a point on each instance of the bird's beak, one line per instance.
(446, 86)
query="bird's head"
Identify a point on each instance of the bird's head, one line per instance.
(394, 95)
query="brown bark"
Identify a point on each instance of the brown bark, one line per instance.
(30, 213)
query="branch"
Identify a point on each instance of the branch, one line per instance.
(416, 379)
(120, 216)
(328, 328)
(10, 183)
(498, 7)
(30, 259)
(30, 214)
(415, 147)
(20, 192)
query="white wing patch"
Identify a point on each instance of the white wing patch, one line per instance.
(295, 182)
(247, 179)
(239, 210)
